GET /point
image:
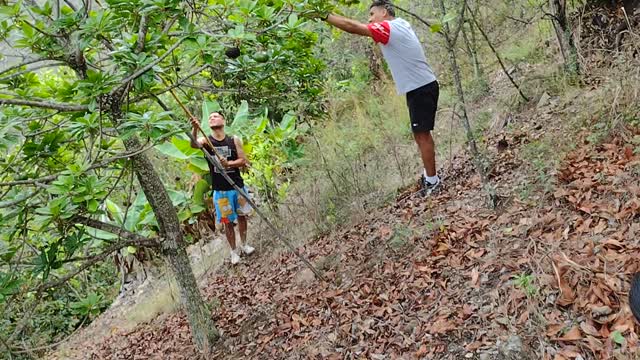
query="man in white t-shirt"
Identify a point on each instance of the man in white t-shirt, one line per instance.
(411, 73)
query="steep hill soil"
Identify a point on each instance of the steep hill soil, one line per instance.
(545, 276)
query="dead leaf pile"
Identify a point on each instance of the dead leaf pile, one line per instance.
(442, 278)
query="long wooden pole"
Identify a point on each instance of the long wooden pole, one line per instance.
(218, 165)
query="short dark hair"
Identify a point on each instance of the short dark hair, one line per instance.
(218, 112)
(384, 4)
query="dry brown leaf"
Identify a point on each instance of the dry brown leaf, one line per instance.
(384, 231)
(589, 329)
(474, 346)
(442, 247)
(572, 335)
(475, 278)
(570, 352)
(442, 326)
(554, 329)
(422, 351)
(628, 152)
(567, 296)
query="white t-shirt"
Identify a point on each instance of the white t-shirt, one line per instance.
(404, 54)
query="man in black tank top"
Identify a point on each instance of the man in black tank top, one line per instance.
(230, 206)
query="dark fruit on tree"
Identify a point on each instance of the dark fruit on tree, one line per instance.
(232, 52)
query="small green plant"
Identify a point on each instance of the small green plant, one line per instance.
(90, 306)
(524, 190)
(401, 236)
(525, 282)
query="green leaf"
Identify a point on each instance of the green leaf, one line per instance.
(170, 149)
(288, 122)
(617, 337)
(115, 211)
(241, 118)
(293, 20)
(449, 17)
(178, 198)
(435, 28)
(196, 209)
(131, 249)
(92, 205)
(199, 190)
(200, 163)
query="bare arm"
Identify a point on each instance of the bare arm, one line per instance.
(348, 25)
(194, 132)
(241, 161)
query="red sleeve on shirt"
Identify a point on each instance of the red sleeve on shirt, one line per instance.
(380, 32)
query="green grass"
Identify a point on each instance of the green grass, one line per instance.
(526, 283)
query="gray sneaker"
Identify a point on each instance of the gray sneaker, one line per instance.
(428, 188)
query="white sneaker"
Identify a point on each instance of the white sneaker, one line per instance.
(248, 250)
(428, 188)
(235, 258)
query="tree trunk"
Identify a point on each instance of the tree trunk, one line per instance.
(203, 331)
(173, 248)
(473, 53)
(564, 34)
(457, 79)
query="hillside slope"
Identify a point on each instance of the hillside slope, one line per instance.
(545, 276)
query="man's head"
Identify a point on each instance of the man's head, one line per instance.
(216, 121)
(381, 10)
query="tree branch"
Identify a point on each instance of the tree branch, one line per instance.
(43, 66)
(146, 242)
(7, 204)
(147, 67)
(134, 238)
(70, 4)
(412, 14)
(41, 103)
(94, 166)
(142, 33)
(495, 52)
(25, 63)
(177, 84)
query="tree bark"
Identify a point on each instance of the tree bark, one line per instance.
(203, 331)
(473, 53)
(173, 248)
(457, 79)
(564, 35)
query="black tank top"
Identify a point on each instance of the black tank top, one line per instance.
(225, 148)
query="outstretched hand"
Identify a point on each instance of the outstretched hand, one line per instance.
(195, 123)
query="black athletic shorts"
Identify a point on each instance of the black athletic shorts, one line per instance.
(423, 104)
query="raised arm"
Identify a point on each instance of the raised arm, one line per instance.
(196, 142)
(349, 25)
